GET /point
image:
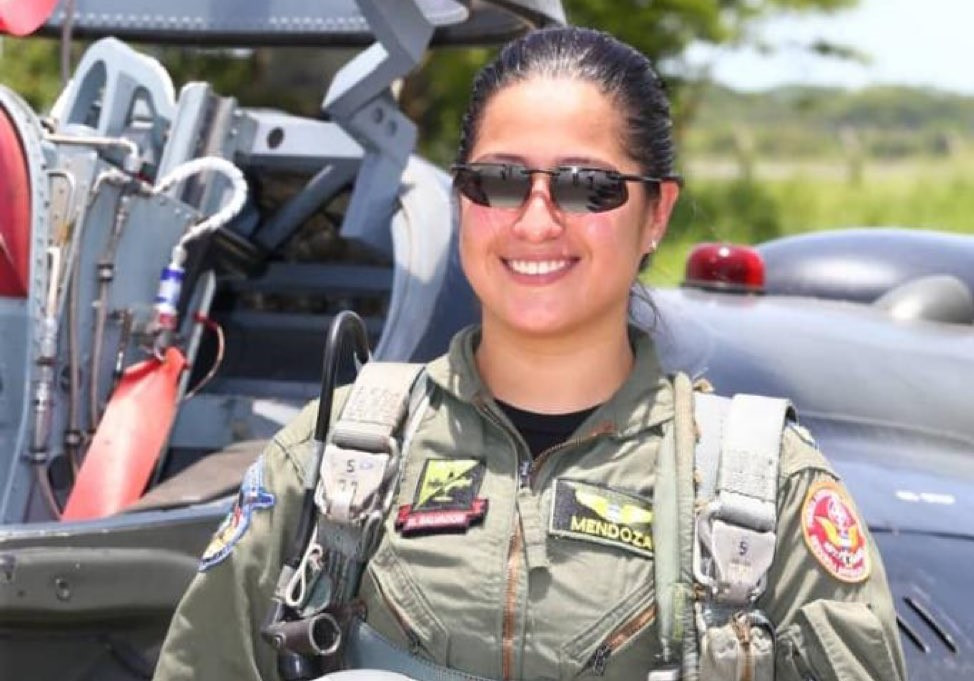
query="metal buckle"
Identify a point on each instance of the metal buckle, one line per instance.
(353, 483)
(737, 561)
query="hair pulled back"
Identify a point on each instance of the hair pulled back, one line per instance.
(618, 70)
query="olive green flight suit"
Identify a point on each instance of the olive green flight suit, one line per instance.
(509, 597)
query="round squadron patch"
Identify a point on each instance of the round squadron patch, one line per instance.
(834, 533)
(252, 497)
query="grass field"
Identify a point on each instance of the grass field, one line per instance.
(783, 198)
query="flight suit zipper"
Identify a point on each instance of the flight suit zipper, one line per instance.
(618, 637)
(543, 456)
(509, 621)
(743, 631)
(527, 472)
(510, 602)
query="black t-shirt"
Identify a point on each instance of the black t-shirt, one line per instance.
(542, 431)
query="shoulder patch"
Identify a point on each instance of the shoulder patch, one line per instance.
(833, 533)
(592, 513)
(251, 497)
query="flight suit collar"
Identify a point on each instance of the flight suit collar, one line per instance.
(645, 399)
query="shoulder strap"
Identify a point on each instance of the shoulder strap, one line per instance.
(359, 469)
(737, 494)
(376, 406)
(731, 446)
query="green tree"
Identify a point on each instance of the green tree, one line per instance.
(662, 29)
(29, 66)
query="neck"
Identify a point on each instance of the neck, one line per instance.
(554, 375)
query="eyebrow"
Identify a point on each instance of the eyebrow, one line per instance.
(586, 161)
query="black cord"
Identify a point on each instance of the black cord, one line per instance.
(346, 325)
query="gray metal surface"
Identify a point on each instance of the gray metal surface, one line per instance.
(935, 297)
(294, 22)
(20, 320)
(114, 90)
(888, 401)
(864, 263)
(360, 100)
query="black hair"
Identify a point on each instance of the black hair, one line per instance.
(617, 69)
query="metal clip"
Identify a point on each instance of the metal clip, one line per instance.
(352, 482)
(735, 569)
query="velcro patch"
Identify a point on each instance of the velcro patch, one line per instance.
(598, 514)
(446, 498)
(252, 497)
(834, 533)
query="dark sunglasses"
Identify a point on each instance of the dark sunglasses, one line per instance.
(573, 189)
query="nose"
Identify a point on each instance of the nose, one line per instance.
(539, 218)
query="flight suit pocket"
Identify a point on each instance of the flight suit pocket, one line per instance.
(615, 644)
(835, 641)
(396, 608)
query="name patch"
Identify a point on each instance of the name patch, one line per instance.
(446, 498)
(606, 516)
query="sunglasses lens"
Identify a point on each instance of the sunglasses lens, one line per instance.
(498, 186)
(587, 190)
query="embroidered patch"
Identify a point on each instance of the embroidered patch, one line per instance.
(834, 534)
(605, 516)
(446, 498)
(251, 497)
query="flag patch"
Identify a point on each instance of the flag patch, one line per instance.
(446, 498)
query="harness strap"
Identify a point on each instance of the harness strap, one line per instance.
(376, 406)
(738, 483)
(360, 470)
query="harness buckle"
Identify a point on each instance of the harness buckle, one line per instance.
(730, 560)
(352, 483)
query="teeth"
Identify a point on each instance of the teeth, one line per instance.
(537, 266)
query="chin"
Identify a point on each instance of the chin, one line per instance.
(543, 323)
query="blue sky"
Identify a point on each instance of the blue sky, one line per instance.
(916, 42)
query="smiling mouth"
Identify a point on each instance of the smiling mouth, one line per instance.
(538, 267)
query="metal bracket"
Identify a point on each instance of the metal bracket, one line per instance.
(112, 86)
(360, 100)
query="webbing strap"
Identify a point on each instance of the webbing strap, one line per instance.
(709, 412)
(376, 406)
(747, 480)
(737, 466)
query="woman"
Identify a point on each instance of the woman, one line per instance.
(544, 425)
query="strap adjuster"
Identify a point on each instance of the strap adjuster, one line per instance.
(737, 561)
(353, 482)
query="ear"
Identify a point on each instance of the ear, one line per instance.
(659, 215)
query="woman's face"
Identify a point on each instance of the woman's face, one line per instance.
(537, 269)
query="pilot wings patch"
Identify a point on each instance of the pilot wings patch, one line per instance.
(592, 513)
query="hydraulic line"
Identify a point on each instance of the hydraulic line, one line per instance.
(171, 280)
(44, 483)
(43, 388)
(131, 163)
(106, 273)
(73, 436)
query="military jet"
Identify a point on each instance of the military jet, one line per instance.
(132, 402)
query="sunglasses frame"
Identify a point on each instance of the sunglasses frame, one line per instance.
(457, 168)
